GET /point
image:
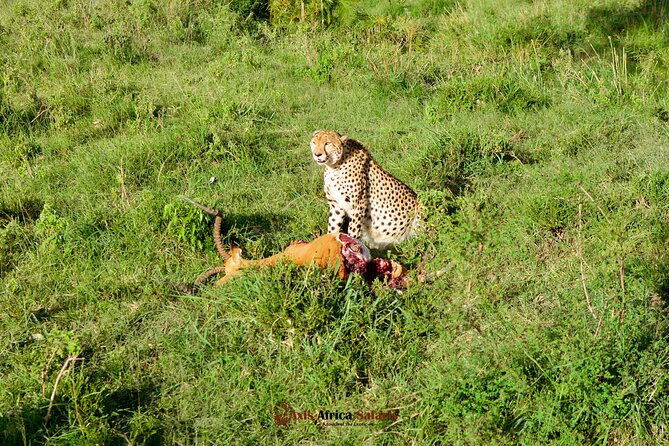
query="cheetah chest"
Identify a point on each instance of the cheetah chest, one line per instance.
(339, 190)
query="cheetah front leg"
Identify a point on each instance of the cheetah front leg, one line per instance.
(336, 218)
(355, 216)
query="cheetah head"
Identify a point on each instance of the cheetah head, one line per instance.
(327, 147)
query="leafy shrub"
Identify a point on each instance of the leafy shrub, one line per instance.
(321, 70)
(187, 224)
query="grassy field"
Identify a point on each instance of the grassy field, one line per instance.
(536, 133)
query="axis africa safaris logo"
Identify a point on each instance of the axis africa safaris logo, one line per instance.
(284, 414)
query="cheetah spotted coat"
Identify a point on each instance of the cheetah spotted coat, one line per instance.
(381, 209)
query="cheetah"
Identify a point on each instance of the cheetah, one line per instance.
(382, 211)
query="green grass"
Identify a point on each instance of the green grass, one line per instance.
(535, 132)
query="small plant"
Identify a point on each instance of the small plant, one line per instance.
(187, 224)
(321, 70)
(50, 228)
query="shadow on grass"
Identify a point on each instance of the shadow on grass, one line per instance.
(601, 23)
(238, 228)
(612, 20)
(26, 425)
(128, 399)
(14, 237)
(253, 223)
(120, 406)
(36, 116)
(24, 211)
(456, 159)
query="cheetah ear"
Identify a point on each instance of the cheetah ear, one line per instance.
(343, 138)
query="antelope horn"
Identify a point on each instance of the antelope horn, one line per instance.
(208, 273)
(192, 289)
(217, 228)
